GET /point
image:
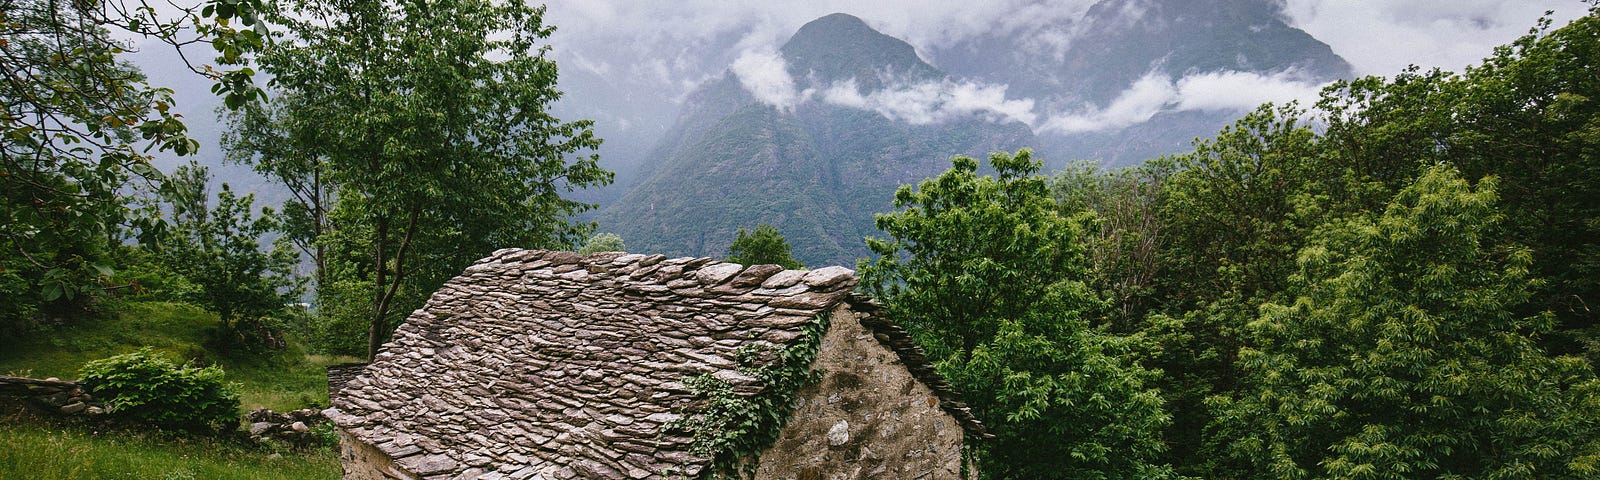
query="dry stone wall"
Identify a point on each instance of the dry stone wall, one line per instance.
(868, 417)
(50, 395)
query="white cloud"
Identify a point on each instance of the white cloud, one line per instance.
(766, 76)
(933, 102)
(1155, 93)
(1242, 91)
(1138, 103)
(1382, 37)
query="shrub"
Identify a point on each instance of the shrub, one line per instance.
(144, 387)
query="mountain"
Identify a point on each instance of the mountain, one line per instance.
(817, 167)
(1090, 61)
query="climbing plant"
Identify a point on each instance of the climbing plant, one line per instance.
(731, 429)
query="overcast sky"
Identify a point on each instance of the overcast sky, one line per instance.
(1376, 36)
(668, 47)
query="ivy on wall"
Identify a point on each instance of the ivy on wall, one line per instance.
(732, 429)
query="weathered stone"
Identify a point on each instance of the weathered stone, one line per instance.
(783, 279)
(717, 273)
(260, 428)
(755, 275)
(839, 434)
(828, 277)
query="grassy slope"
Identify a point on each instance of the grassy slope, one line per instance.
(285, 381)
(31, 451)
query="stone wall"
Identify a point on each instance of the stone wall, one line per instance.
(365, 462)
(50, 395)
(867, 418)
(340, 374)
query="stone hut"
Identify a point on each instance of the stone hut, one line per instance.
(555, 366)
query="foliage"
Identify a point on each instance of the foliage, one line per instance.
(988, 276)
(217, 249)
(1126, 234)
(79, 125)
(731, 429)
(1526, 115)
(603, 242)
(147, 388)
(1401, 356)
(762, 247)
(430, 131)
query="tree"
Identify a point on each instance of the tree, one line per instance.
(761, 247)
(988, 276)
(603, 242)
(78, 125)
(217, 249)
(1401, 356)
(433, 133)
(1126, 235)
(1526, 115)
(298, 164)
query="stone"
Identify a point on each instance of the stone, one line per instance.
(755, 275)
(74, 408)
(717, 273)
(784, 279)
(260, 428)
(839, 434)
(828, 277)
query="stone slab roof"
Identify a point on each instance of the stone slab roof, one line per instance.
(554, 365)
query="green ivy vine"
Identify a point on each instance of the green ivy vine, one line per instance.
(733, 430)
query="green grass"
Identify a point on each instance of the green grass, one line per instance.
(284, 380)
(36, 452)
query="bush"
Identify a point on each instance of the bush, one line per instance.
(144, 387)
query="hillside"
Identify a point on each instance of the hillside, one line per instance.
(817, 170)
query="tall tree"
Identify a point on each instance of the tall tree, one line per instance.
(1527, 115)
(988, 275)
(762, 246)
(79, 124)
(1401, 356)
(433, 128)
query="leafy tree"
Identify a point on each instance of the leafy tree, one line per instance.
(433, 133)
(988, 275)
(218, 249)
(78, 125)
(1401, 356)
(603, 242)
(761, 247)
(254, 139)
(1526, 115)
(1126, 236)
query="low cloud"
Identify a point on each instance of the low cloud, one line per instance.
(1382, 37)
(933, 102)
(765, 75)
(1156, 93)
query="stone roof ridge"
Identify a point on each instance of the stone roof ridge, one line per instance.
(876, 319)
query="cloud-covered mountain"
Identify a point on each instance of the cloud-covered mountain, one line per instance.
(1134, 79)
(812, 138)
